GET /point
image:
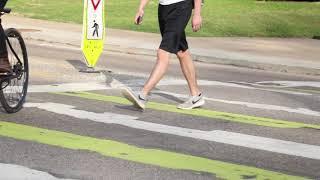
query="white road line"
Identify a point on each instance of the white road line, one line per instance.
(177, 82)
(15, 172)
(303, 111)
(315, 84)
(59, 46)
(203, 83)
(237, 139)
(68, 87)
(62, 108)
(168, 82)
(92, 86)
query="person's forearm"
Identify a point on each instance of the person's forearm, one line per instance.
(197, 7)
(143, 4)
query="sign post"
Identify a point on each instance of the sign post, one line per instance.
(93, 31)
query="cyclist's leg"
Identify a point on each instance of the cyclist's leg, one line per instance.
(4, 61)
(3, 47)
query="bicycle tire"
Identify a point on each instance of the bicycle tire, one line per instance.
(14, 34)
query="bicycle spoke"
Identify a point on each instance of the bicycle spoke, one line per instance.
(14, 92)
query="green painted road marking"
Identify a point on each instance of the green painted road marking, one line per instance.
(132, 153)
(260, 121)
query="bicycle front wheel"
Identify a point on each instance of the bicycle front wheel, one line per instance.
(13, 95)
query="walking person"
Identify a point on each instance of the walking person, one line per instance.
(96, 28)
(173, 16)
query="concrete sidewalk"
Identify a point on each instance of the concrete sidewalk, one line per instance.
(301, 56)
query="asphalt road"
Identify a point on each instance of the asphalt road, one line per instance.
(255, 124)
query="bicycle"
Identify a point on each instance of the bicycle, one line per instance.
(14, 84)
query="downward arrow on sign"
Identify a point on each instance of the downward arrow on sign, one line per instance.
(95, 4)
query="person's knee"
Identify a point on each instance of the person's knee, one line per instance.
(182, 54)
(163, 56)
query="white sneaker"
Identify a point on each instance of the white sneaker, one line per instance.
(138, 100)
(192, 102)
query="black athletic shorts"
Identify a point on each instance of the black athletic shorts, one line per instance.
(3, 3)
(173, 20)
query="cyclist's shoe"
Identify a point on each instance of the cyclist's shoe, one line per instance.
(138, 100)
(192, 102)
(5, 66)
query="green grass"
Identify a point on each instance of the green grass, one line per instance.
(221, 17)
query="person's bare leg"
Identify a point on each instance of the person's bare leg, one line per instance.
(158, 71)
(189, 71)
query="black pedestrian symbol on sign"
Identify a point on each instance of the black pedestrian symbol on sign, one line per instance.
(96, 28)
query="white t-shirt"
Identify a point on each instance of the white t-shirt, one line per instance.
(168, 2)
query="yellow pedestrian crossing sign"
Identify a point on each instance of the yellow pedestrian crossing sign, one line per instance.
(93, 31)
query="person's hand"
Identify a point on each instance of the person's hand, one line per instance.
(139, 17)
(196, 23)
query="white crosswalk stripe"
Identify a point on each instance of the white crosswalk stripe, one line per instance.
(248, 141)
(77, 87)
(16, 172)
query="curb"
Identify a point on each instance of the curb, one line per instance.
(221, 61)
